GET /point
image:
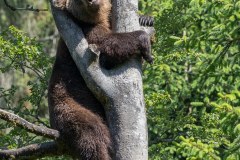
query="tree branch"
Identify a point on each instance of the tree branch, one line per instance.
(38, 130)
(27, 8)
(32, 151)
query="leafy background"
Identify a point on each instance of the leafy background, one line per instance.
(192, 91)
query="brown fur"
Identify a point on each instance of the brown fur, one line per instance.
(74, 110)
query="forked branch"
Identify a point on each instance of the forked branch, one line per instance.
(20, 122)
(34, 150)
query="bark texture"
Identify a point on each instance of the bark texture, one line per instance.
(129, 127)
(119, 89)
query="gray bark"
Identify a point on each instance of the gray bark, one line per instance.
(131, 137)
(119, 90)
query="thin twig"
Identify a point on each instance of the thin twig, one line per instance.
(27, 8)
(36, 71)
(38, 130)
(38, 109)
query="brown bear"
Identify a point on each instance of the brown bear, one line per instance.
(73, 109)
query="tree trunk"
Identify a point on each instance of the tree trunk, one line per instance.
(127, 116)
(120, 89)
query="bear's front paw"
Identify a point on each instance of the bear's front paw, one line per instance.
(145, 46)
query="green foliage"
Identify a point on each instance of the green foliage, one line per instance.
(24, 57)
(192, 90)
(36, 24)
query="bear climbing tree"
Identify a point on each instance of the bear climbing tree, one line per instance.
(119, 90)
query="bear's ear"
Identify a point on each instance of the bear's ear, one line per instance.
(61, 4)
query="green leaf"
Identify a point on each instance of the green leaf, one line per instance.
(197, 104)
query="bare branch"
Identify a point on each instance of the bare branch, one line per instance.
(32, 151)
(27, 8)
(38, 130)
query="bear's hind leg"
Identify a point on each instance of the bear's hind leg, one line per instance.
(84, 132)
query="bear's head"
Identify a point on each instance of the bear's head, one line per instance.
(90, 11)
